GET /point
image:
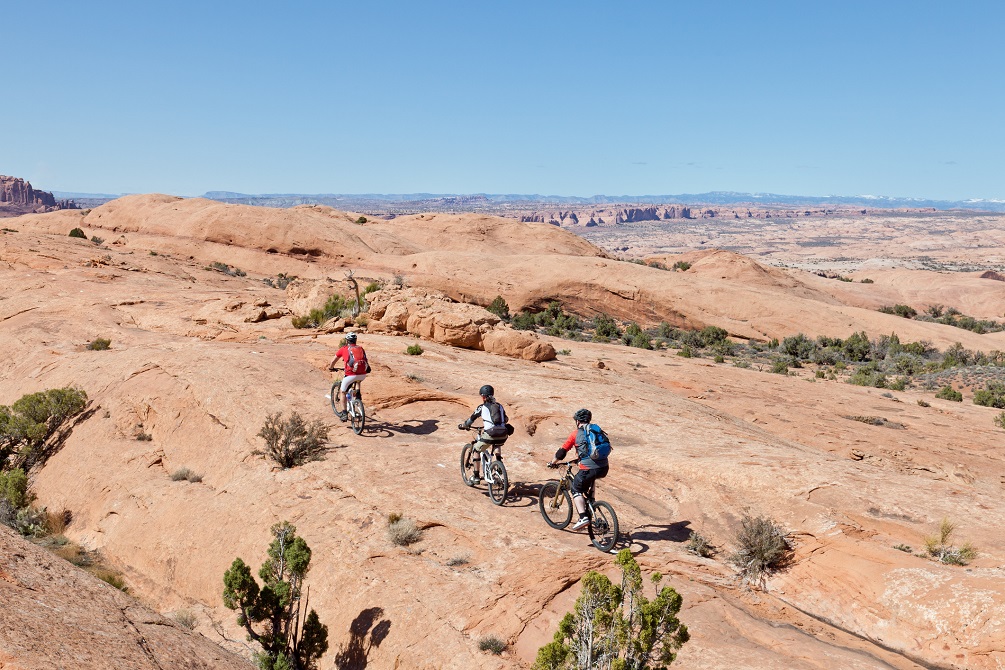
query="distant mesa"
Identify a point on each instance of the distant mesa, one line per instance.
(18, 197)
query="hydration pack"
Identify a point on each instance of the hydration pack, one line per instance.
(357, 360)
(498, 417)
(597, 442)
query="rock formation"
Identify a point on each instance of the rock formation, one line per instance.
(18, 195)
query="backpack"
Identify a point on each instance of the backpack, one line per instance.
(356, 364)
(498, 416)
(597, 442)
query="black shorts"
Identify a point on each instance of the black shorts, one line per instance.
(584, 478)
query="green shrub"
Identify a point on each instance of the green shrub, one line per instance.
(683, 266)
(780, 366)
(97, 240)
(524, 321)
(413, 350)
(867, 281)
(905, 311)
(719, 359)
(899, 384)
(799, 347)
(819, 374)
(294, 441)
(686, 351)
(271, 614)
(868, 375)
(761, 547)
(371, 287)
(604, 327)
(992, 395)
(698, 545)
(493, 644)
(335, 306)
(99, 344)
(949, 393)
(14, 489)
(713, 335)
(26, 425)
(857, 347)
(499, 307)
(361, 220)
(922, 403)
(942, 548)
(77, 232)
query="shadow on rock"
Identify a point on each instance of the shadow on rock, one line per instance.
(674, 532)
(364, 636)
(411, 427)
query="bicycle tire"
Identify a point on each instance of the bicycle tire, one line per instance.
(358, 417)
(603, 527)
(332, 395)
(468, 468)
(498, 482)
(555, 516)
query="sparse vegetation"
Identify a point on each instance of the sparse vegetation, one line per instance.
(281, 281)
(185, 618)
(617, 626)
(184, 474)
(906, 548)
(413, 350)
(273, 615)
(402, 531)
(361, 220)
(564, 352)
(32, 420)
(999, 420)
(780, 367)
(226, 269)
(866, 281)
(414, 377)
(949, 393)
(336, 305)
(97, 240)
(942, 548)
(992, 395)
(923, 403)
(491, 643)
(77, 232)
(761, 548)
(499, 307)
(371, 287)
(698, 545)
(293, 442)
(458, 560)
(99, 344)
(683, 266)
(398, 280)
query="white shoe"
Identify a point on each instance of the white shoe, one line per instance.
(582, 523)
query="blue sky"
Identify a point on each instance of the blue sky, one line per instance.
(569, 98)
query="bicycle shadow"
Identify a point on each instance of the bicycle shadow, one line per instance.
(386, 429)
(523, 494)
(674, 532)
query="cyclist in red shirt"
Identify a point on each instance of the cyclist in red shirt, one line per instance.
(356, 369)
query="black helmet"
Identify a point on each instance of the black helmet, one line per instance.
(486, 391)
(350, 338)
(582, 416)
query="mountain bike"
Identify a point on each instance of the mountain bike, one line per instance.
(556, 506)
(353, 404)
(489, 466)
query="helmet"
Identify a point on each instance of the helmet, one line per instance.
(582, 416)
(350, 338)
(486, 390)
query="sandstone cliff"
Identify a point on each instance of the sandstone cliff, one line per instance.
(18, 196)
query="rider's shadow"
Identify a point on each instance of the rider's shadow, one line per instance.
(523, 494)
(673, 532)
(410, 427)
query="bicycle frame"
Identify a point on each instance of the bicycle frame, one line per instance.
(566, 485)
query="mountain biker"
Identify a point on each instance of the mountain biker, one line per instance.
(356, 369)
(589, 469)
(494, 430)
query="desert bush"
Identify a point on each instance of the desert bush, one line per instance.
(866, 281)
(906, 548)
(26, 425)
(458, 560)
(698, 545)
(922, 403)
(523, 321)
(942, 548)
(857, 347)
(281, 281)
(683, 266)
(499, 307)
(739, 363)
(617, 627)
(898, 384)
(686, 352)
(719, 358)
(334, 307)
(371, 287)
(564, 352)
(761, 547)
(14, 489)
(491, 643)
(271, 615)
(186, 475)
(905, 311)
(185, 618)
(992, 395)
(413, 350)
(868, 375)
(77, 232)
(294, 441)
(226, 269)
(780, 366)
(604, 327)
(949, 393)
(99, 344)
(999, 420)
(398, 280)
(361, 220)
(97, 240)
(402, 531)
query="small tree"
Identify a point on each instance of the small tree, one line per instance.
(26, 425)
(287, 642)
(294, 441)
(499, 308)
(616, 627)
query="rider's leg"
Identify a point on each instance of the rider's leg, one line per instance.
(580, 485)
(346, 383)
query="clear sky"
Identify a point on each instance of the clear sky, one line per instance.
(552, 97)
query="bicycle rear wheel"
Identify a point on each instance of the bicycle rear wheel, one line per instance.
(469, 464)
(498, 482)
(603, 527)
(358, 415)
(557, 512)
(333, 394)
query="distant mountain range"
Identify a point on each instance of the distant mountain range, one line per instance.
(396, 202)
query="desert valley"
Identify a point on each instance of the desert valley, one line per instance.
(196, 299)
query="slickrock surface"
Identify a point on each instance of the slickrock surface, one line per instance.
(696, 443)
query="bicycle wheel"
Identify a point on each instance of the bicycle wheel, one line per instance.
(603, 527)
(498, 482)
(331, 395)
(469, 464)
(358, 415)
(556, 513)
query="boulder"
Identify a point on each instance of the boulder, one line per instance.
(517, 344)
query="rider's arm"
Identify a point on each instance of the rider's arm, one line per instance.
(471, 419)
(564, 449)
(341, 353)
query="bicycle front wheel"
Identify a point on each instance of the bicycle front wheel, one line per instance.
(603, 527)
(556, 506)
(334, 394)
(469, 464)
(357, 416)
(498, 482)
